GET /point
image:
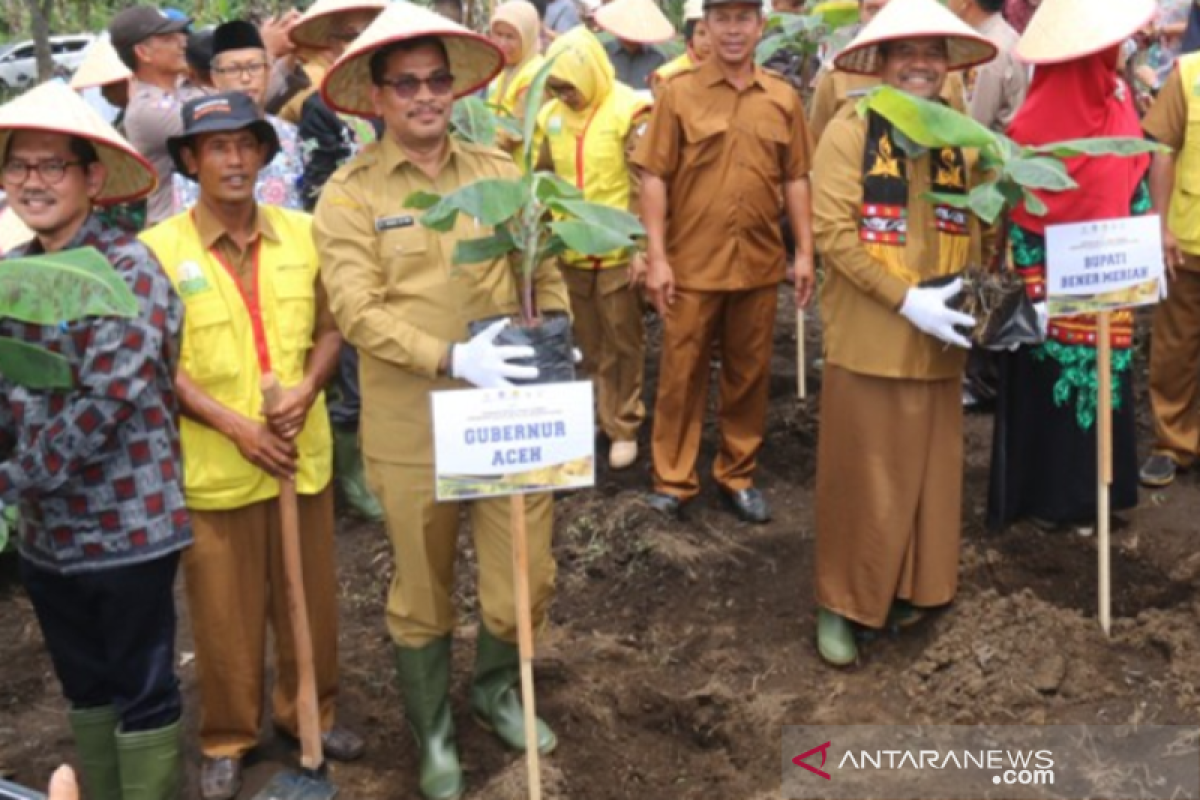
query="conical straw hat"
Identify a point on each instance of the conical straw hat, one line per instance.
(101, 66)
(53, 107)
(474, 60)
(312, 29)
(640, 21)
(1063, 30)
(915, 19)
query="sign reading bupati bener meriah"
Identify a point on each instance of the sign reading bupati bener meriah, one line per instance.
(494, 442)
(1103, 265)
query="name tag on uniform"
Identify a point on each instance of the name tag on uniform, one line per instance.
(392, 223)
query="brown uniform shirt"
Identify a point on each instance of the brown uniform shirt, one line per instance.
(725, 156)
(1167, 119)
(860, 298)
(838, 92)
(395, 292)
(213, 236)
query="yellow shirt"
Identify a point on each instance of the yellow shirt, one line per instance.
(395, 292)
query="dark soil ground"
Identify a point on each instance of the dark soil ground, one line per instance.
(678, 650)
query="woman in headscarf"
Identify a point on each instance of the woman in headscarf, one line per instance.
(589, 129)
(516, 29)
(1044, 450)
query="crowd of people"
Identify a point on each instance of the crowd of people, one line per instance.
(251, 193)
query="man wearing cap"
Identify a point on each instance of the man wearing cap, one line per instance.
(1175, 338)
(726, 152)
(95, 470)
(152, 45)
(240, 64)
(699, 46)
(247, 273)
(636, 25)
(398, 298)
(837, 92)
(889, 460)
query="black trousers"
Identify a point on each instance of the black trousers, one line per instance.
(346, 402)
(111, 636)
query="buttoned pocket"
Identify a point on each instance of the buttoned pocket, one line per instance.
(407, 261)
(705, 140)
(296, 302)
(210, 349)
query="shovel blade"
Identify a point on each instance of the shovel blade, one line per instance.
(295, 786)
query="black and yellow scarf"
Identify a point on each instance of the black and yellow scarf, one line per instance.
(883, 227)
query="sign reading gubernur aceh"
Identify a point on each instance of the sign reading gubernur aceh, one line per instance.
(490, 442)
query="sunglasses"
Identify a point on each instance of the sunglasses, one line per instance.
(407, 87)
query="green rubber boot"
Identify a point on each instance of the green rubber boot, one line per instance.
(496, 698)
(150, 763)
(95, 732)
(424, 674)
(835, 638)
(348, 467)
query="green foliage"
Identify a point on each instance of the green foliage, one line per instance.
(32, 366)
(1013, 170)
(534, 217)
(48, 289)
(8, 527)
(476, 121)
(800, 34)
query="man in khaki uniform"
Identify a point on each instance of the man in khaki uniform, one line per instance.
(837, 92)
(1175, 339)
(889, 462)
(400, 301)
(725, 153)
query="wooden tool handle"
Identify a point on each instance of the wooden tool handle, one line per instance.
(307, 713)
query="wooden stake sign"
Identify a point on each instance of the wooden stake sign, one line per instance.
(1096, 268)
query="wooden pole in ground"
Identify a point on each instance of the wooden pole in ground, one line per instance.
(525, 643)
(1104, 462)
(801, 377)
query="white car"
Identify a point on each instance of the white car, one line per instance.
(18, 64)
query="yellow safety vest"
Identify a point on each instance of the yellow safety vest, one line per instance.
(220, 353)
(594, 161)
(519, 83)
(1185, 200)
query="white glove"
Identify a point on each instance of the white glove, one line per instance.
(1043, 318)
(483, 363)
(927, 310)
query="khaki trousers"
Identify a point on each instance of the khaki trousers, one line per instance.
(1175, 367)
(889, 493)
(744, 324)
(424, 536)
(608, 327)
(235, 587)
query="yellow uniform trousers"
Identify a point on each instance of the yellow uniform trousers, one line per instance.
(609, 330)
(424, 536)
(743, 323)
(1175, 367)
(235, 587)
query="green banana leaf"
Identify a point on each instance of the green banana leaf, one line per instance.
(8, 527)
(548, 187)
(487, 248)
(1102, 146)
(927, 123)
(474, 121)
(1040, 172)
(617, 220)
(589, 240)
(57, 287)
(491, 201)
(32, 366)
(533, 106)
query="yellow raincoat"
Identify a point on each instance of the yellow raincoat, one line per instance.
(588, 146)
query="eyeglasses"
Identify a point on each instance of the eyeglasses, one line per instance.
(51, 171)
(241, 69)
(406, 87)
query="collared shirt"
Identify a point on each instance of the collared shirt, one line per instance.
(634, 69)
(837, 94)
(1167, 120)
(725, 155)
(561, 15)
(96, 469)
(997, 89)
(153, 115)
(278, 182)
(241, 259)
(396, 292)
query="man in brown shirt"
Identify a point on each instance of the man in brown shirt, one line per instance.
(1175, 338)
(726, 150)
(889, 461)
